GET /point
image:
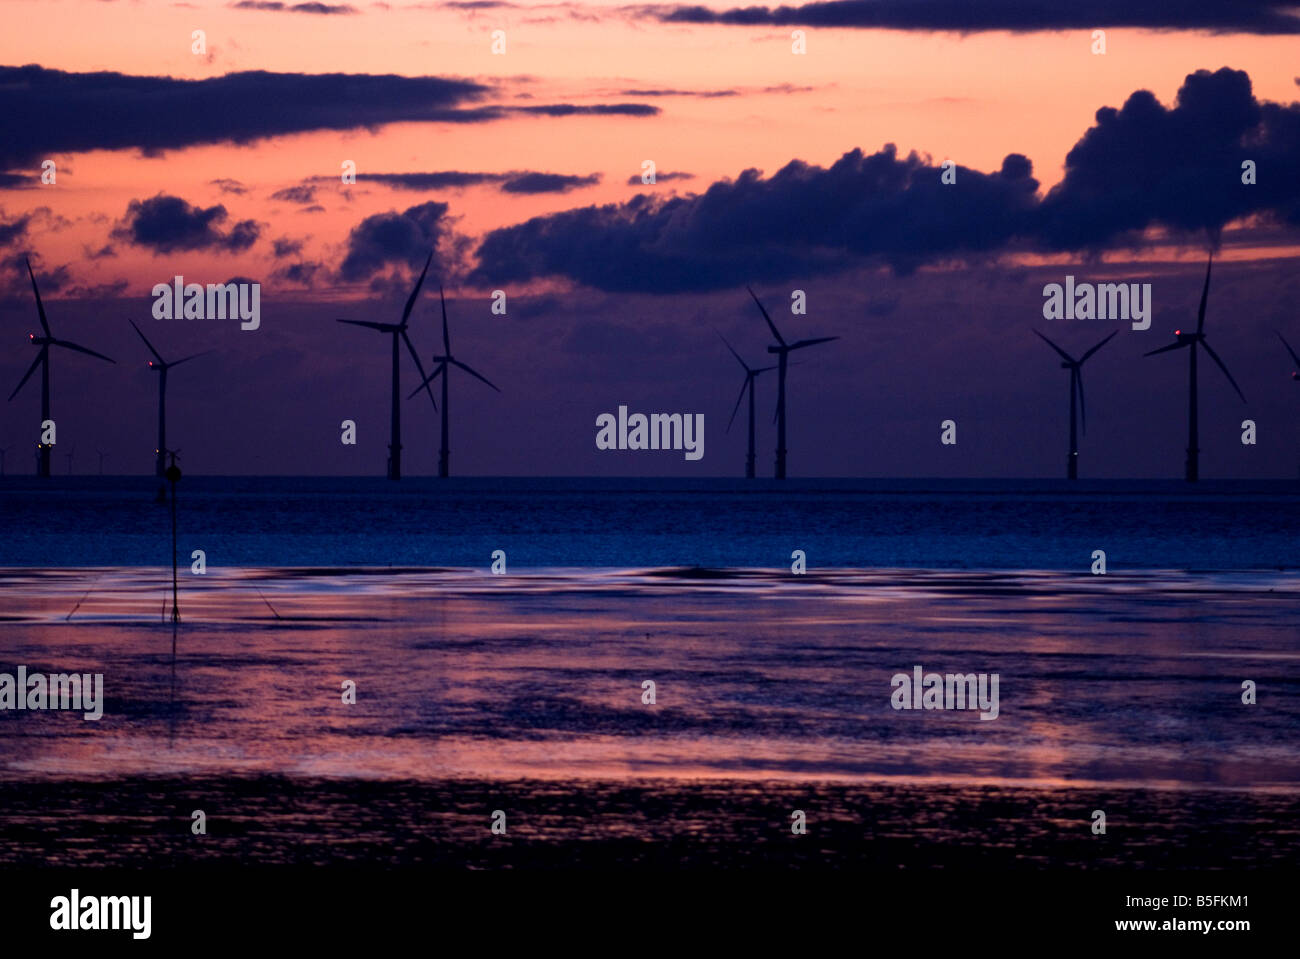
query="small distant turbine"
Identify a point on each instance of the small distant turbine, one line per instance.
(160, 366)
(747, 386)
(782, 349)
(1076, 391)
(1191, 341)
(43, 450)
(398, 332)
(444, 449)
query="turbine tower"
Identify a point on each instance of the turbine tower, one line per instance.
(398, 332)
(160, 366)
(444, 450)
(782, 349)
(748, 385)
(43, 361)
(1076, 392)
(1191, 341)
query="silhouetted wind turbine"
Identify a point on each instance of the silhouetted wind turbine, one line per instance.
(444, 451)
(748, 385)
(43, 361)
(3, 451)
(398, 332)
(782, 351)
(69, 455)
(1191, 341)
(1295, 374)
(1076, 390)
(161, 366)
(102, 454)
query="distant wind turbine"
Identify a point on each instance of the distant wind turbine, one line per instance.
(1191, 341)
(3, 451)
(1295, 374)
(444, 450)
(747, 386)
(1076, 393)
(398, 332)
(160, 366)
(43, 361)
(782, 349)
(69, 455)
(102, 454)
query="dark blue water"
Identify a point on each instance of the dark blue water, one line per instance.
(935, 524)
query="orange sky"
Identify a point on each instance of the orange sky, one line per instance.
(972, 99)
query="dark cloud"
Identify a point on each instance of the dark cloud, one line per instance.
(1141, 166)
(18, 181)
(1180, 167)
(11, 231)
(51, 111)
(515, 181)
(274, 6)
(548, 182)
(706, 94)
(804, 218)
(1019, 16)
(635, 178)
(227, 185)
(166, 224)
(296, 194)
(302, 274)
(286, 247)
(394, 238)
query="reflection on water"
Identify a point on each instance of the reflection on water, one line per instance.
(760, 676)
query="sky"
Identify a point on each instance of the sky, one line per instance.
(510, 139)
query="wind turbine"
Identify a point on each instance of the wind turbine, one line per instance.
(1076, 387)
(69, 455)
(444, 452)
(2, 459)
(161, 367)
(398, 332)
(1295, 374)
(102, 454)
(748, 385)
(1191, 341)
(43, 361)
(783, 351)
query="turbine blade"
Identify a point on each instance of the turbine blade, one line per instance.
(147, 343)
(1205, 294)
(410, 303)
(1165, 349)
(475, 374)
(192, 356)
(1064, 355)
(381, 327)
(40, 307)
(1288, 349)
(81, 349)
(446, 337)
(432, 376)
(821, 339)
(419, 366)
(30, 370)
(1215, 356)
(743, 386)
(1098, 346)
(770, 324)
(733, 352)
